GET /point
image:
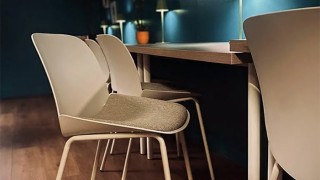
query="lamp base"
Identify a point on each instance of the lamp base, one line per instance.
(162, 42)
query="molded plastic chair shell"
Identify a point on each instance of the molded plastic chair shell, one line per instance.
(97, 51)
(125, 80)
(82, 98)
(285, 47)
(85, 109)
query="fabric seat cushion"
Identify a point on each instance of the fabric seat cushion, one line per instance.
(143, 114)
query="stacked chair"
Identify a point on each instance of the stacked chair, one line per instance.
(87, 111)
(125, 80)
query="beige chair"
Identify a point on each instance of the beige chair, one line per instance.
(97, 51)
(87, 112)
(95, 48)
(125, 80)
(285, 47)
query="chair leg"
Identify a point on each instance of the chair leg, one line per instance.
(64, 158)
(204, 138)
(163, 148)
(143, 146)
(276, 173)
(126, 162)
(178, 145)
(149, 148)
(271, 162)
(185, 155)
(96, 161)
(164, 157)
(104, 158)
(203, 134)
(112, 146)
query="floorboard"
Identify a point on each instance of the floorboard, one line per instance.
(31, 145)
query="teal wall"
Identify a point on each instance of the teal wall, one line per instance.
(201, 20)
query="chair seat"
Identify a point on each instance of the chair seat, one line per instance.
(164, 91)
(143, 114)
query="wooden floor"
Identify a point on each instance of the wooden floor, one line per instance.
(31, 146)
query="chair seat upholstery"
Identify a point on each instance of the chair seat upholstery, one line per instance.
(142, 114)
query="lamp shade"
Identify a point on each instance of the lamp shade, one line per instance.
(103, 23)
(162, 5)
(120, 18)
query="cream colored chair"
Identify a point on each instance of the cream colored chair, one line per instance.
(87, 112)
(125, 80)
(97, 51)
(285, 47)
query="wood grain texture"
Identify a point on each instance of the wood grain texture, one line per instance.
(31, 145)
(239, 45)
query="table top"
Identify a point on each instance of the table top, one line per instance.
(215, 52)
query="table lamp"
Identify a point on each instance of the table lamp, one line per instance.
(162, 7)
(104, 26)
(240, 19)
(121, 20)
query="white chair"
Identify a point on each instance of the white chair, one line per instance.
(95, 48)
(285, 47)
(87, 112)
(125, 80)
(97, 51)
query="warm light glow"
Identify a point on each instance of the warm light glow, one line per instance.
(162, 10)
(121, 21)
(180, 11)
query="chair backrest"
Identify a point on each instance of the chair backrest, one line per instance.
(97, 51)
(285, 47)
(77, 82)
(124, 75)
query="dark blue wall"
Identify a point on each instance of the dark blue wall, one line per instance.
(21, 71)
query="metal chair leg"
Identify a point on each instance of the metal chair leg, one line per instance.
(126, 162)
(105, 154)
(96, 161)
(185, 155)
(204, 138)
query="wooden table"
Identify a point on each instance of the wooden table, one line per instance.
(214, 53)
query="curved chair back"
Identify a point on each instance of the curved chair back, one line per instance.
(285, 47)
(124, 76)
(77, 82)
(97, 51)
